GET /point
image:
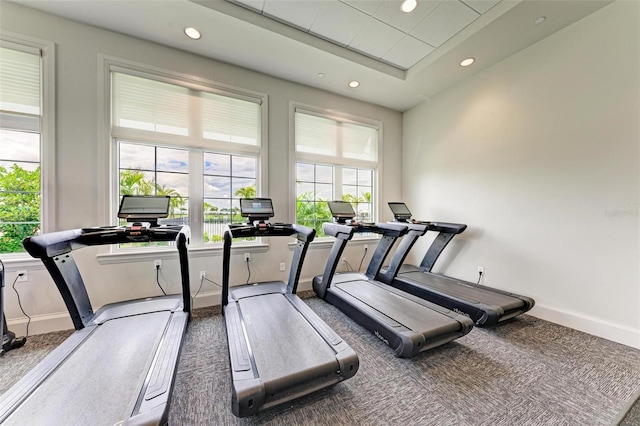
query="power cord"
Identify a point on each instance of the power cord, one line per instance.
(349, 267)
(202, 279)
(158, 279)
(248, 269)
(363, 256)
(20, 303)
(479, 276)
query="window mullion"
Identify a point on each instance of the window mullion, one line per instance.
(337, 182)
(196, 195)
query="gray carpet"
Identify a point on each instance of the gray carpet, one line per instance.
(525, 372)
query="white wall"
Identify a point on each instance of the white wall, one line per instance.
(81, 187)
(540, 156)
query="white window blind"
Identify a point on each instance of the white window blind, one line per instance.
(230, 120)
(156, 106)
(141, 103)
(20, 82)
(320, 136)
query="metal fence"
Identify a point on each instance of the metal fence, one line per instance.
(212, 225)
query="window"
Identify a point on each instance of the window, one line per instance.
(195, 143)
(336, 158)
(21, 112)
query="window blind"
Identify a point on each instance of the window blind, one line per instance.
(230, 120)
(151, 105)
(145, 104)
(20, 82)
(329, 137)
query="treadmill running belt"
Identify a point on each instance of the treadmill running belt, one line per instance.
(101, 380)
(412, 315)
(461, 290)
(283, 342)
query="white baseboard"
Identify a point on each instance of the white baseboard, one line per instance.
(59, 321)
(596, 326)
(210, 298)
(41, 324)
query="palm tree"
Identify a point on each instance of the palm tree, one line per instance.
(177, 202)
(133, 182)
(246, 192)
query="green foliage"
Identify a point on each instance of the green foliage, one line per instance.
(312, 213)
(133, 182)
(246, 192)
(19, 207)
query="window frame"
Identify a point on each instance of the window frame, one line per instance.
(48, 216)
(195, 145)
(320, 159)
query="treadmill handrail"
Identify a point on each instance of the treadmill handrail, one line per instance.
(446, 232)
(304, 235)
(54, 250)
(393, 229)
(62, 242)
(390, 233)
(415, 231)
(451, 228)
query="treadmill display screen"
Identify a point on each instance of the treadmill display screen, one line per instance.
(341, 209)
(144, 207)
(400, 210)
(256, 207)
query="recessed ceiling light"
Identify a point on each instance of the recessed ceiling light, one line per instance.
(192, 33)
(353, 84)
(467, 62)
(320, 75)
(540, 20)
(409, 5)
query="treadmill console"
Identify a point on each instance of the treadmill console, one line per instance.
(342, 211)
(144, 208)
(142, 212)
(401, 212)
(256, 209)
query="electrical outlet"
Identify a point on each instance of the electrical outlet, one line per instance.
(481, 270)
(157, 264)
(203, 274)
(283, 266)
(247, 257)
(23, 276)
(366, 247)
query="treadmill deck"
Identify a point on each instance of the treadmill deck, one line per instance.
(460, 290)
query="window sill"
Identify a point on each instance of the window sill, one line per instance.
(17, 261)
(326, 242)
(129, 256)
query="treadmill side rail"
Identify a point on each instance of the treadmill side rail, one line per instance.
(19, 392)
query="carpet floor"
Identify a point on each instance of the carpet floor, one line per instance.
(524, 372)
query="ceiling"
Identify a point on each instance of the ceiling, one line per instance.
(377, 28)
(399, 59)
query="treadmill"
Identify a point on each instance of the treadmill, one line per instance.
(279, 349)
(486, 306)
(406, 323)
(119, 366)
